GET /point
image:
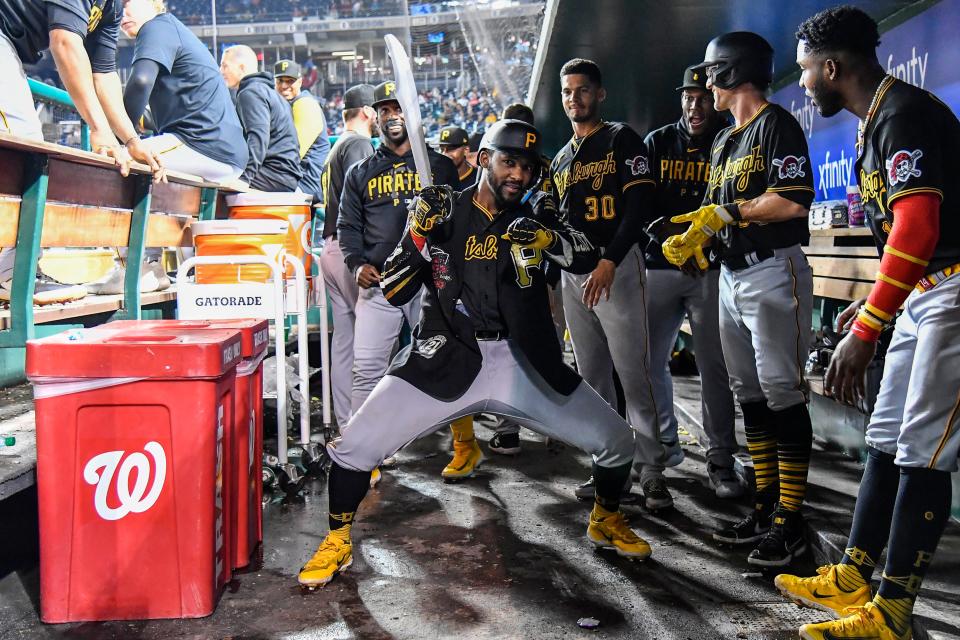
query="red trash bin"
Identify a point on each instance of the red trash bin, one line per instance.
(130, 461)
(246, 439)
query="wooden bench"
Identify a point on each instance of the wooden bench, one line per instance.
(55, 196)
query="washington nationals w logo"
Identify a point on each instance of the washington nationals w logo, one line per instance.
(132, 500)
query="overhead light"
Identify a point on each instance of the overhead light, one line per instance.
(344, 53)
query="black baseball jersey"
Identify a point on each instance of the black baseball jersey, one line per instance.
(477, 281)
(27, 24)
(766, 153)
(910, 146)
(680, 164)
(374, 200)
(468, 179)
(349, 149)
(602, 184)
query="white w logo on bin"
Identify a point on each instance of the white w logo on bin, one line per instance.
(136, 500)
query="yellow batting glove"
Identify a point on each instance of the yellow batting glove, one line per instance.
(529, 233)
(680, 249)
(707, 221)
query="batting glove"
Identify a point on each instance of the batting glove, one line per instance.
(433, 206)
(707, 221)
(678, 250)
(530, 234)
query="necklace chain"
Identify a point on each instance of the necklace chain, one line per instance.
(862, 124)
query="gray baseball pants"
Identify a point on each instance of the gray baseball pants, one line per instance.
(614, 335)
(342, 290)
(376, 330)
(671, 295)
(397, 413)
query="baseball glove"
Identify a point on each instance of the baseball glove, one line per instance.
(660, 230)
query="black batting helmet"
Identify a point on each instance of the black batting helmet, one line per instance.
(738, 57)
(515, 136)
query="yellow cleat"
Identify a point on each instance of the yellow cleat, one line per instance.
(467, 457)
(333, 556)
(821, 591)
(860, 623)
(610, 531)
(375, 477)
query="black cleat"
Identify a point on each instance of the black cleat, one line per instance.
(783, 542)
(751, 529)
(507, 444)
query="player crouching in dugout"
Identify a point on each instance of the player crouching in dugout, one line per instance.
(484, 343)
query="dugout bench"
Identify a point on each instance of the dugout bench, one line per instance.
(56, 196)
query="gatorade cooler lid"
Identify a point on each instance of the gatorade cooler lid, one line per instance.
(254, 333)
(262, 198)
(131, 352)
(239, 227)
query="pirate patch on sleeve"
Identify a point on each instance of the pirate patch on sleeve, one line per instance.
(790, 167)
(902, 166)
(638, 165)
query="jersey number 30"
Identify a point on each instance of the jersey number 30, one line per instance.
(600, 208)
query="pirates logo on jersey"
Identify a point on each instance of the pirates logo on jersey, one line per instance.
(429, 347)
(903, 165)
(440, 263)
(639, 165)
(790, 167)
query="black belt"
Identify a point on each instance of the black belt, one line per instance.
(747, 259)
(491, 335)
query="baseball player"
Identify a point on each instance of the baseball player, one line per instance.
(353, 145)
(454, 143)
(373, 211)
(907, 157)
(679, 155)
(603, 185)
(757, 202)
(484, 343)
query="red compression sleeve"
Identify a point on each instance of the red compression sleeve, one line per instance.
(906, 256)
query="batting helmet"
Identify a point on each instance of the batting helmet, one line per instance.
(512, 135)
(515, 136)
(738, 57)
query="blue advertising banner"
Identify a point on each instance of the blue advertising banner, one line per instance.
(922, 51)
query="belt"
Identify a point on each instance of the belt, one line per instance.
(747, 259)
(930, 281)
(491, 335)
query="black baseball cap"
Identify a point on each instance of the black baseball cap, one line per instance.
(474, 142)
(694, 78)
(453, 137)
(358, 96)
(384, 92)
(286, 69)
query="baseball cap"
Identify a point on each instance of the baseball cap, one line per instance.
(453, 137)
(694, 78)
(384, 92)
(358, 96)
(286, 69)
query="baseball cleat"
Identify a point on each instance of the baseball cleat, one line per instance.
(751, 529)
(612, 532)
(507, 444)
(375, 477)
(333, 556)
(656, 495)
(821, 591)
(467, 457)
(860, 623)
(783, 542)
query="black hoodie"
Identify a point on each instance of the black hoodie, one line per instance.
(373, 204)
(274, 163)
